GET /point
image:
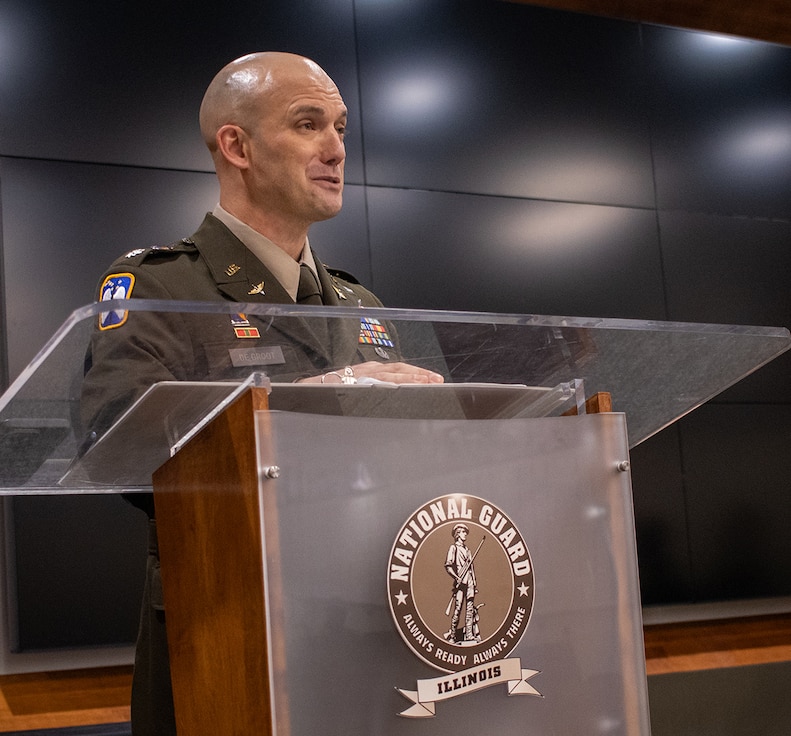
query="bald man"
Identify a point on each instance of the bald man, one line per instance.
(274, 124)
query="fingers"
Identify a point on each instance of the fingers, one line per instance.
(396, 373)
(387, 372)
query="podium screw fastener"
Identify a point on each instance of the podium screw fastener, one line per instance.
(271, 472)
(623, 465)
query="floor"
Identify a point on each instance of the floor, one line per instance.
(749, 700)
(58, 699)
(749, 657)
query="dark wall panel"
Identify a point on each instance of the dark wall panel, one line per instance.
(721, 122)
(497, 254)
(726, 269)
(661, 520)
(731, 270)
(736, 469)
(63, 224)
(495, 98)
(77, 570)
(121, 82)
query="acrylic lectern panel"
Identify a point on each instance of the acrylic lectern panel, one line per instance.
(655, 373)
(362, 603)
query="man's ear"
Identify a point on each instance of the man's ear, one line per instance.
(232, 146)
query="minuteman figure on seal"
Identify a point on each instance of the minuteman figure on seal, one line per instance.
(459, 565)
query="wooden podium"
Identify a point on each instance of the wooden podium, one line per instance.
(235, 585)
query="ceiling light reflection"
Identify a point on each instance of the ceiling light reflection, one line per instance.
(424, 97)
(762, 145)
(560, 230)
(572, 176)
(17, 25)
(414, 97)
(702, 50)
(756, 145)
(721, 41)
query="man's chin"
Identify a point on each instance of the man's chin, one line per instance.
(328, 209)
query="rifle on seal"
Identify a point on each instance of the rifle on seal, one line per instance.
(464, 571)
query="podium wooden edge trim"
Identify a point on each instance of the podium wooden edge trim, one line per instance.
(210, 523)
(598, 403)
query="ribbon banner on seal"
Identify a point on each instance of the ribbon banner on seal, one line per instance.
(504, 671)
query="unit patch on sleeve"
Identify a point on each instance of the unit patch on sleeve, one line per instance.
(115, 286)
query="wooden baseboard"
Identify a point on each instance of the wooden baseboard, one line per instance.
(69, 698)
(703, 645)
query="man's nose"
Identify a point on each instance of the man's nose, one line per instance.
(333, 148)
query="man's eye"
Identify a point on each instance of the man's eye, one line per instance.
(341, 130)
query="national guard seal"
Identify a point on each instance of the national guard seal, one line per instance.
(460, 589)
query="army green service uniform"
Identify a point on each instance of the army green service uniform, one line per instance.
(131, 350)
(140, 348)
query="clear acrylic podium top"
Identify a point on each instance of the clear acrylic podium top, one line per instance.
(495, 366)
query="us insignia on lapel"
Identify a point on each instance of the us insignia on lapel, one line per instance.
(337, 288)
(241, 327)
(373, 332)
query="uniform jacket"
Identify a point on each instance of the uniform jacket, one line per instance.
(132, 350)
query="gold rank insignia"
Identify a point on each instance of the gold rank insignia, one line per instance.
(337, 289)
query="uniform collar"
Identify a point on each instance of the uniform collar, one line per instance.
(240, 275)
(284, 268)
(242, 278)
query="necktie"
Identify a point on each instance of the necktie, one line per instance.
(308, 291)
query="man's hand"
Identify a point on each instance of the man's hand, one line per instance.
(388, 372)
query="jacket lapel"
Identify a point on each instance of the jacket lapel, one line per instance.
(242, 278)
(344, 332)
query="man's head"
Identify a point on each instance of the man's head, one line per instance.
(274, 124)
(460, 532)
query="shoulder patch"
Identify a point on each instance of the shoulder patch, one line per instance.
(115, 286)
(139, 255)
(345, 275)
